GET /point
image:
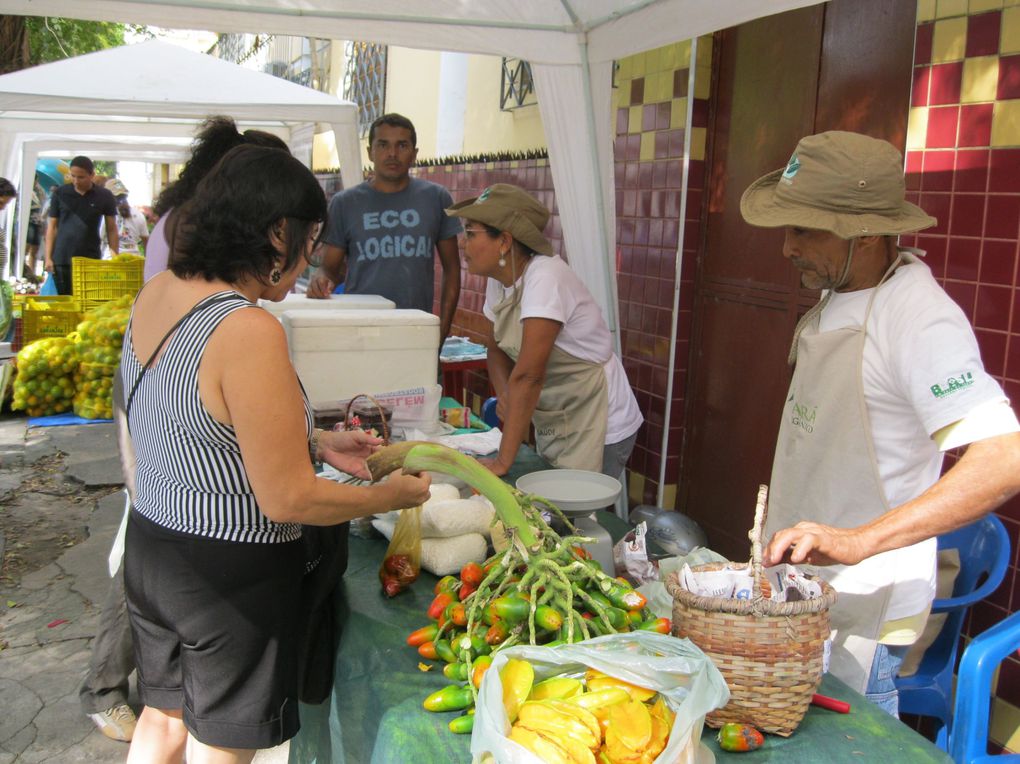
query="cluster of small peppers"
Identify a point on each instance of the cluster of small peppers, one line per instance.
(474, 619)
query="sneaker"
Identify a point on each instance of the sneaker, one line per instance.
(117, 723)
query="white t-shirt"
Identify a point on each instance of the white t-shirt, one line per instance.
(552, 290)
(921, 371)
(131, 230)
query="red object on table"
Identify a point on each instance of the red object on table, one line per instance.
(824, 701)
(454, 374)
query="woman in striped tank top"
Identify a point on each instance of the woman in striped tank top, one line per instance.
(222, 434)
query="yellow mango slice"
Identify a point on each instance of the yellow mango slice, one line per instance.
(618, 751)
(556, 687)
(600, 681)
(585, 716)
(631, 724)
(517, 677)
(541, 746)
(542, 717)
(662, 710)
(600, 698)
(660, 735)
(578, 752)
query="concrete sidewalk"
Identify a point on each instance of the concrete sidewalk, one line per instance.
(60, 500)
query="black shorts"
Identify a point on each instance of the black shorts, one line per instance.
(214, 624)
(32, 235)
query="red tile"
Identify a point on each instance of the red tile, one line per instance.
(922, 43)
(1009, 78)
(971, 170)
(983, 34)
(696, 173)
(935, 257)
(630, 175)
(655, 232)
(993, 350)
(662, 115)
(967, 216)
(942, 124)
(641, 232)
(945, 84)
(963, 293)
(1004, 172)
(699, 113)
(1003, 216)
(622, 120)
(680, 77)
(1016, 331)
(645, 175)
(648, 117)
(662, 145)
(619, 148)
(637, 91)
(913, 170)
(991, 309)
(659, 175)
(975, 125)
(633, 152)
(937, 205)
(919, 88)
(998, 263)
(963, 259)
(625, 231)
(676, 144)
(674, 173)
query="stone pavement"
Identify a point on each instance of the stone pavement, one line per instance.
(42, 661)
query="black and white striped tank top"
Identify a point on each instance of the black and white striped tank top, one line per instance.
(189, 475)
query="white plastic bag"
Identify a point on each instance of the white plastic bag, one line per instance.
(686, 677)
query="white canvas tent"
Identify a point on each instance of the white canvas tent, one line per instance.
(144, 101)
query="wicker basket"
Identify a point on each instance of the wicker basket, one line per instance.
(384, 415)
(769, 653)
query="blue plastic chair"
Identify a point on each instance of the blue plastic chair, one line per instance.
(489, 413)
(984, 556)
(968, 742)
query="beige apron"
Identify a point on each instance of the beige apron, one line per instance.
(825, 471)
(573, 408)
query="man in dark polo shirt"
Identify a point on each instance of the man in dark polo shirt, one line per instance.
(76, 210)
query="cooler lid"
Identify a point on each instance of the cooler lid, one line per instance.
(294, 301)
(355, 317)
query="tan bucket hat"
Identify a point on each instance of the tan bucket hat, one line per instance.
(509, 208)
(845, 183)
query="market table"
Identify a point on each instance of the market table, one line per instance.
(375, 716)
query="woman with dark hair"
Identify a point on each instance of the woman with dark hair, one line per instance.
(223, 482)
(215, 137)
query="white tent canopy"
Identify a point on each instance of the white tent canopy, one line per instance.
(144, 102)
(570, 44)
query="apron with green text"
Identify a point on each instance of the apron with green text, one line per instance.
(572, 412)
(825, 471)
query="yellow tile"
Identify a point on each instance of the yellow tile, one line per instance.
(945, 9)
(1009, 40)
(624, 71)
(669, 497)
(981, 6)
(647, 146)
(705, 50)
(665, 87)
(617, 97)
(541, 162)
(703, 82)
(652, 87)
(684, 53)
(1004, 725)
(980, 79)
(634, 119)
(925, 10)
(1006, 124)
(698, 136)
(635, 487)
(917, 128)
(638, 65)
(949, 40)
(671, 57)
(678, 113)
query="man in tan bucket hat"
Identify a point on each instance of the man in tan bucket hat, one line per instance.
(887, 377)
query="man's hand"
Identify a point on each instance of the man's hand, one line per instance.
(320, 285)
(495, 466)
(815, 544)
(48, 264)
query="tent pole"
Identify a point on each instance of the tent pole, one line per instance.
(678, 264)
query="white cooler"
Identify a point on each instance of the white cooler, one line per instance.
(341, 353)
(295, 301)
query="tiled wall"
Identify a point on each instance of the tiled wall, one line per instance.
(963, 167)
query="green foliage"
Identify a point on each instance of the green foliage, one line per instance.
(52, 38)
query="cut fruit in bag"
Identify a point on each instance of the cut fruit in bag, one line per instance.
(402, 563)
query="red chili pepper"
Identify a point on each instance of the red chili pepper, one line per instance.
(739, 737)
(466, 590)
(472, 574)
(439, 603)
(420, 636)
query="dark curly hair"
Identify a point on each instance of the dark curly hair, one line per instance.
(224, 231)
(215, 137)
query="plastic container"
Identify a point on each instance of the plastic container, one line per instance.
(339, 354)
(57, 319)
(94, 282)
(335, 302)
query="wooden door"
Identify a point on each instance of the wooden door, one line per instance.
(842, 65)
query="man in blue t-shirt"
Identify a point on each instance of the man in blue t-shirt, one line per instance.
(76, 210)
(384, 232)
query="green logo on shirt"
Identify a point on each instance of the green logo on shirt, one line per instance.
(953, 385)
(803, 416)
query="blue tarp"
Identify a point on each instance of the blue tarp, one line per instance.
(59, 419)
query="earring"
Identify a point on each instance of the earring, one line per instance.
(274, 276)
(502, 260)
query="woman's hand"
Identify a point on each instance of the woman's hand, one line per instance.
(815, 544)
(347, 451)
(408, 490)
(496, 466)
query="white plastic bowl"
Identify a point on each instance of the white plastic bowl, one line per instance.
(573, 491)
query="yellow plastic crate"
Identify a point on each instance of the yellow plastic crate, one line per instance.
(94, 282)
(20, 300)
(57, 320)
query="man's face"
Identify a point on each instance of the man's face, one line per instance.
(392, 152)
(820, 256)
(122, 206)
(82, 179)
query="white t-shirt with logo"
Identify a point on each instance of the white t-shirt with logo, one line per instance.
(553, 291)
(922, 371)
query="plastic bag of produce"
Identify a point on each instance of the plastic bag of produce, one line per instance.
(683, 675)
(402, 563)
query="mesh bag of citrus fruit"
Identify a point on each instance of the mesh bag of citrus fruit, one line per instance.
(99, 338)
(45, 381)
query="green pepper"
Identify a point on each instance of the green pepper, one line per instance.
(453, 697)
(511, 609)
(444, 651)
(739, 737)
(457, 672)
(599, 597)
(462, 724)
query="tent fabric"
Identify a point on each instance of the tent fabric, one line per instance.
(151, 115)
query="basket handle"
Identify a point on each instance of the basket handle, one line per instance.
(761, 511)
(382, 416)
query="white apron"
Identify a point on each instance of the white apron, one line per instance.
(825, 471)
(572, 412)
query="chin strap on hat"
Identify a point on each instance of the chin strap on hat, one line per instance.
(817, 308)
